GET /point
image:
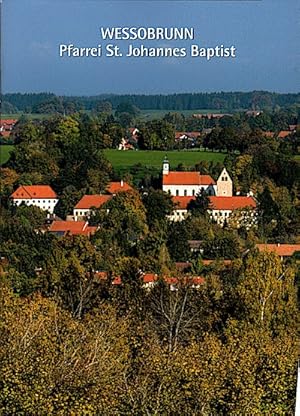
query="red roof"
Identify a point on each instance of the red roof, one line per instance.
(34, 192)
(231, 203)
(285, 250)
(189, 134)
(283, 133)
(5, 133)
(268, 134)
(89, 201)
(114, 187)
(72, 227)
(8, 122)
(182, 202)
(153, 277)
(187, 178)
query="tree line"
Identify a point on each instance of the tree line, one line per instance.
(222, 101)
(74, 343)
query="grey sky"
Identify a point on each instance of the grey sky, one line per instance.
(266, 34)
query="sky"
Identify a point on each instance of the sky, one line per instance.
(266, 34)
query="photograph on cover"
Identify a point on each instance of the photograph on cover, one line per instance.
(149, 207)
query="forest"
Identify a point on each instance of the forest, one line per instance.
(80, 332)
(224, 101)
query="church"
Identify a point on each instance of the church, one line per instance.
(184, 187)
(192, 183)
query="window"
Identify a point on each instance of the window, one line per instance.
(185, 192)
(177, 192)
(193, 192)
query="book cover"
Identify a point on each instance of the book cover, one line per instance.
(150, 207)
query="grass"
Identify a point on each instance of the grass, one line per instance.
(126, 159)
(144, 115)
(5, 150)
(32, 116)
(155, 114)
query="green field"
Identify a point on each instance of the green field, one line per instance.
(126, 159)
(32, 116)
(5, 149)
(143, 115)
(156, 114)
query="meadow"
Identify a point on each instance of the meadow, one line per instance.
(154, 158)
(5, 149)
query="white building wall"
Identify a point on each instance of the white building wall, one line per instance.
(247, 217)
(178, 215)
(81, 213)
(45, 204)
(189, 190)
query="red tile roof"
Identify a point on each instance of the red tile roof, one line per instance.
(89, 201)
(72, 227)
(34, 192)
(231, 203)
(153, 277)
(283, 134)
(284, 250)
(182, 202)
(8, 122)
(5, 133)
(187, 178)
(114, 187)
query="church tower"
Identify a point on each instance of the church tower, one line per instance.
(166, 166)
(224, 184)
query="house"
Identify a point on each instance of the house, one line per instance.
(125, 145)
(211, 116)
(283, 134)
(222, 207)
(184, 187)
(186, 183)
(253, 113)
(6, 126)
(282, 250)
(83, 208)
(149, 280)
(181, 203)
(191, 135)
(115, 187)
(62, 228)
(134, 133)
(41, 196)
(192, 183)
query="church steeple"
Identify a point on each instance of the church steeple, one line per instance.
(166, 166)
(224, 184)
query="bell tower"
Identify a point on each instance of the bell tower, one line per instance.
(166, 166)
(224, 184)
